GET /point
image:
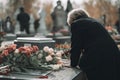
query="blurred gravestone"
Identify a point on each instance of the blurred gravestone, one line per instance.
(69, 7)
(1, 22)
(60, 29)
(58, 17)
(42, 29)
(8, 26)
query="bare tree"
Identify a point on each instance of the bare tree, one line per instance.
(98, 8)
(48, 19)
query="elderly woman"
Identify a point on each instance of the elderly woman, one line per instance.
(100, 58)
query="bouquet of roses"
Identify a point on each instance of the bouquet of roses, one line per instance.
(65, 47)
(23, 58)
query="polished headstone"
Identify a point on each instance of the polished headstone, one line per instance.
(30, 41)
(9, 36)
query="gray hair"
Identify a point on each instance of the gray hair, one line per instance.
(76, 14)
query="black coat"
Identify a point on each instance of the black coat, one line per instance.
(23, 18)
(101, 56)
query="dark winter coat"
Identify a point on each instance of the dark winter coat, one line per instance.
(23, 18)
(101, 56)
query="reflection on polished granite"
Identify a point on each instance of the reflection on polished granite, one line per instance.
(64, 74)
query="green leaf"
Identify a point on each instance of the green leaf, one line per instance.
(34, 62)
(16, 69)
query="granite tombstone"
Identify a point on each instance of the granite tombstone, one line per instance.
(58, 17)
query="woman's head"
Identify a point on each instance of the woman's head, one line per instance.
(76, 14)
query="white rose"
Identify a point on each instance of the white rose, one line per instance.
(2, 48)
(16, 51)
(60, 62)
(49, 58)
(58, 54)
(56, 67)
(62, 52)
(46, 49)
(51, 50)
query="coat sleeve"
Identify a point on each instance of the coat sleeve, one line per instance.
(76, 45)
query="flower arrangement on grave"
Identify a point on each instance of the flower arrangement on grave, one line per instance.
(65, 47)
(23, 58)
(112, 31)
